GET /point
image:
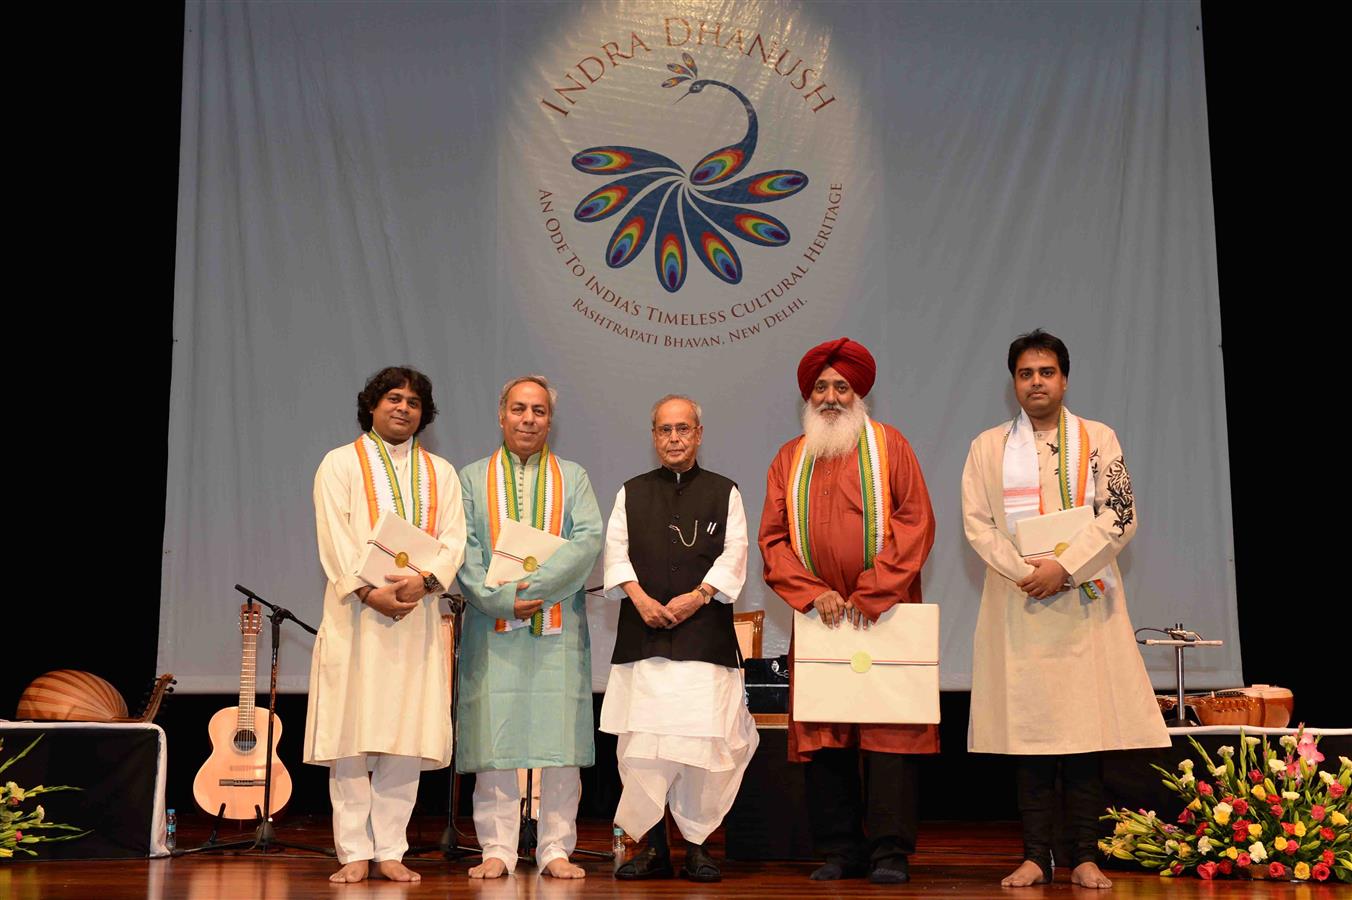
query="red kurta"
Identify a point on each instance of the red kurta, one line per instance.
(836, 536)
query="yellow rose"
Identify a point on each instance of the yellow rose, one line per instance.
(1259, 792)
(1300, 829)
(1196, 804)
(1184, 851)
(1302, 871)
(1255, 830)
(1337, 818)
(1233, 853)
(1280, 843)
(1222, 816)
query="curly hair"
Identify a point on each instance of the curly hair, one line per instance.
(386, 380)
(1037, 339)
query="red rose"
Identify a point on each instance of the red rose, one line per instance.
(1292, 847)
(1224, 867)
(1241, 806)
(1320, 872)
(1276, 809)
(1277, 870)
(1204, 789)
(1243, 860)
(1206, 870)
(1327, 857)
(1228, 799)
(1336, 790)
(1176, 868)
(1255, 776)
(1289, 827)
(1317, 812)
(1326, 833)
(1185, 817)
(1241, 832)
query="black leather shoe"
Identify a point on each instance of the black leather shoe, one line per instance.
(699, 865)
(648, 864)
(893, 870)
(834, 870)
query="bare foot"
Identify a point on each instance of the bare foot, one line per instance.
(1089, 875)
(1027, 874)
(489, 868)
(352, 872)
(560, 867)
(395, 870)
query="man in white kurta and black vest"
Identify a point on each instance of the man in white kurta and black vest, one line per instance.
(1056, 674)
(525, 699)
(676, 559)
(379, 705)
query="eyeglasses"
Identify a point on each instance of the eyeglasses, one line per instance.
(683, 430)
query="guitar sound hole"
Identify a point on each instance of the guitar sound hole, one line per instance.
(245, 741)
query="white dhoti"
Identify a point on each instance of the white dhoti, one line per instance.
(372, 798)
(685, 738)
(497, 814)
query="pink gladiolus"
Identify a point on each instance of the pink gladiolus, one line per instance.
(1255, 776)
(1317, 812)
(1185, 817)
(1176, 868)
(1204, 789)
(1308, 750)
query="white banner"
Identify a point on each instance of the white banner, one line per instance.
(638, 198)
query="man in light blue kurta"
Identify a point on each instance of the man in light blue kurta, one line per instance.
(525, 696)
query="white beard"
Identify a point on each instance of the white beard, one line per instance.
(826, 437)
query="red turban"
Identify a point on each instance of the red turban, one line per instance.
(849, 358)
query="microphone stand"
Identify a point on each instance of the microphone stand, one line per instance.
(454, 845)
(265, 838)
(1180, 639)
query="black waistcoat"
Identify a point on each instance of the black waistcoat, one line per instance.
(693, 502)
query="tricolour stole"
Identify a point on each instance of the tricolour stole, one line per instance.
(382, 484)
(1023, 484)
(546, 515)
(873, 485)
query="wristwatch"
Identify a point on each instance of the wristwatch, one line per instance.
(703, 593)
(430, 582)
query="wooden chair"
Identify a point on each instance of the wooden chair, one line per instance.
(750, 629)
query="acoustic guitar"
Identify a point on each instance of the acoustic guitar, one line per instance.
(233, 774)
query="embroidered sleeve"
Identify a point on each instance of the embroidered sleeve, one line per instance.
(1120, 499)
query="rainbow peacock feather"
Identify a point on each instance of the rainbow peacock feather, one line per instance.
(701, 209)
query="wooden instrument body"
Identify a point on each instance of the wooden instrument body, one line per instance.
(234, 772)
(1257, 706)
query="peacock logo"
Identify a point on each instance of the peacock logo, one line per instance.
(657, 200)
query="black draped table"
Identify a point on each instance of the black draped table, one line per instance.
(120, 768)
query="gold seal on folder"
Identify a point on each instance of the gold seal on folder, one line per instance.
(861, 662)
(1061, 548)
(401, 559)
(530, 564)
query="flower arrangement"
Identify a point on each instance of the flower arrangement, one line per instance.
(19, 827)
(1263, 813)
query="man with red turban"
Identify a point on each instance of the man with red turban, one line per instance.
(850, 574)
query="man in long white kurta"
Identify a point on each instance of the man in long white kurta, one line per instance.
(379, 693)
(676, 559)
(1056, 674)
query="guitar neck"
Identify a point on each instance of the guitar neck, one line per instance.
(248, 682)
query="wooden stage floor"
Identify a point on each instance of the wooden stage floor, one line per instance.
(954, 859)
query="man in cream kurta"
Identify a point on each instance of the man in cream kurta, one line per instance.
(379, 692)
(1056, 675)
(525, 697)
(676, 559)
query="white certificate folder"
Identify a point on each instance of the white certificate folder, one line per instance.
(885, 674)
(520, 550)
(395, 539)
(1047, 535)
